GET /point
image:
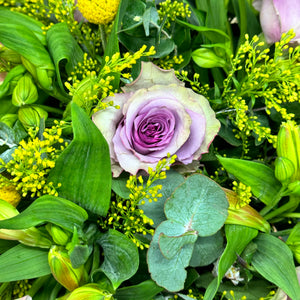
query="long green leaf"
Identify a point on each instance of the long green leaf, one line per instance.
(238, 237)
(83, 168)
(274, 261)
(23, 262)
(64, 50)
(258, 176)
(23, 41)
(47, 208)
(12, 17)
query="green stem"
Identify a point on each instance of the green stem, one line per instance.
(51, 109)
(291, 215)
(3, 287)
(292, 204)
(55, 291)
(277, 198)
(282, 232)
(38, 283)
(103, 36)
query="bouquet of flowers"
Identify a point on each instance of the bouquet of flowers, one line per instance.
(149, 150)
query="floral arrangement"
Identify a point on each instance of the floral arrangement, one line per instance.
(149, 149)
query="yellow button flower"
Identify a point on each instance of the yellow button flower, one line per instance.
(99, 11)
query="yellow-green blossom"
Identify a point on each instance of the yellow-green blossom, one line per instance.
(10, 194)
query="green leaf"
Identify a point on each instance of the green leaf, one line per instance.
(150, 16)
(24, 42)
(207, 249)
(155, 210)
(23, 262)
(51, 209)
(169, 273)
(12, 17)
(83, 168)
(238, 237)
(121, 258)
(274, 261)
(198, 204)
(258, 176)
(65, 51)
(143, 291)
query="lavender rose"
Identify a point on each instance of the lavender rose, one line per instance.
(157, 116)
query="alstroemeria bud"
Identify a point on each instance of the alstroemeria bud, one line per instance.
(288, 145)
(206, 58)
(9, 119)
(245, 215)
(25, 91)
(294, 188)
(62, 270)
(90, 291)
(59, 236)
(30, 116)
(284, 169)
(278, 17)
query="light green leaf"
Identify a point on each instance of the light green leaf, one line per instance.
(198, 204)
(65, 51)
(258, 176)
(23, 262)
(51, 209)
(83, 168)
(274, 261)
(12, 17)
(121, 258)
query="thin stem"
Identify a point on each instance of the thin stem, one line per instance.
(38, 283)
(103, 36)
(282, 232)
(51, 109)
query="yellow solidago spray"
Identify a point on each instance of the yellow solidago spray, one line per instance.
(99, 12)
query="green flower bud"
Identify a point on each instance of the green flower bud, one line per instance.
(288, 145)
(90, 291)
(59, 236)
(9, 119)
(10, 55)
(30, 116)
(62, 270)
(293, 242)
(284, 169)
(25, 91)
(206, 58)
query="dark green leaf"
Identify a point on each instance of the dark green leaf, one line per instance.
(23, 262)
(143, 291)
(83, 168)
(121, 258)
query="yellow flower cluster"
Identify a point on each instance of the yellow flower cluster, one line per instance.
(32, 161)
(10, 194)
(20, 288)
(125, 215)
(243, 194)
(231, 295)
(99, 11)
(169, 62)
(94, 87)
(170, 10)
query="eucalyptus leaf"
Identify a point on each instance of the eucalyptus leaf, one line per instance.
(23, 262)
(258, 176)
(58, 211)
(169, 273)
(83, 169)
(199, 204)
(121, 258)
(274, 261)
